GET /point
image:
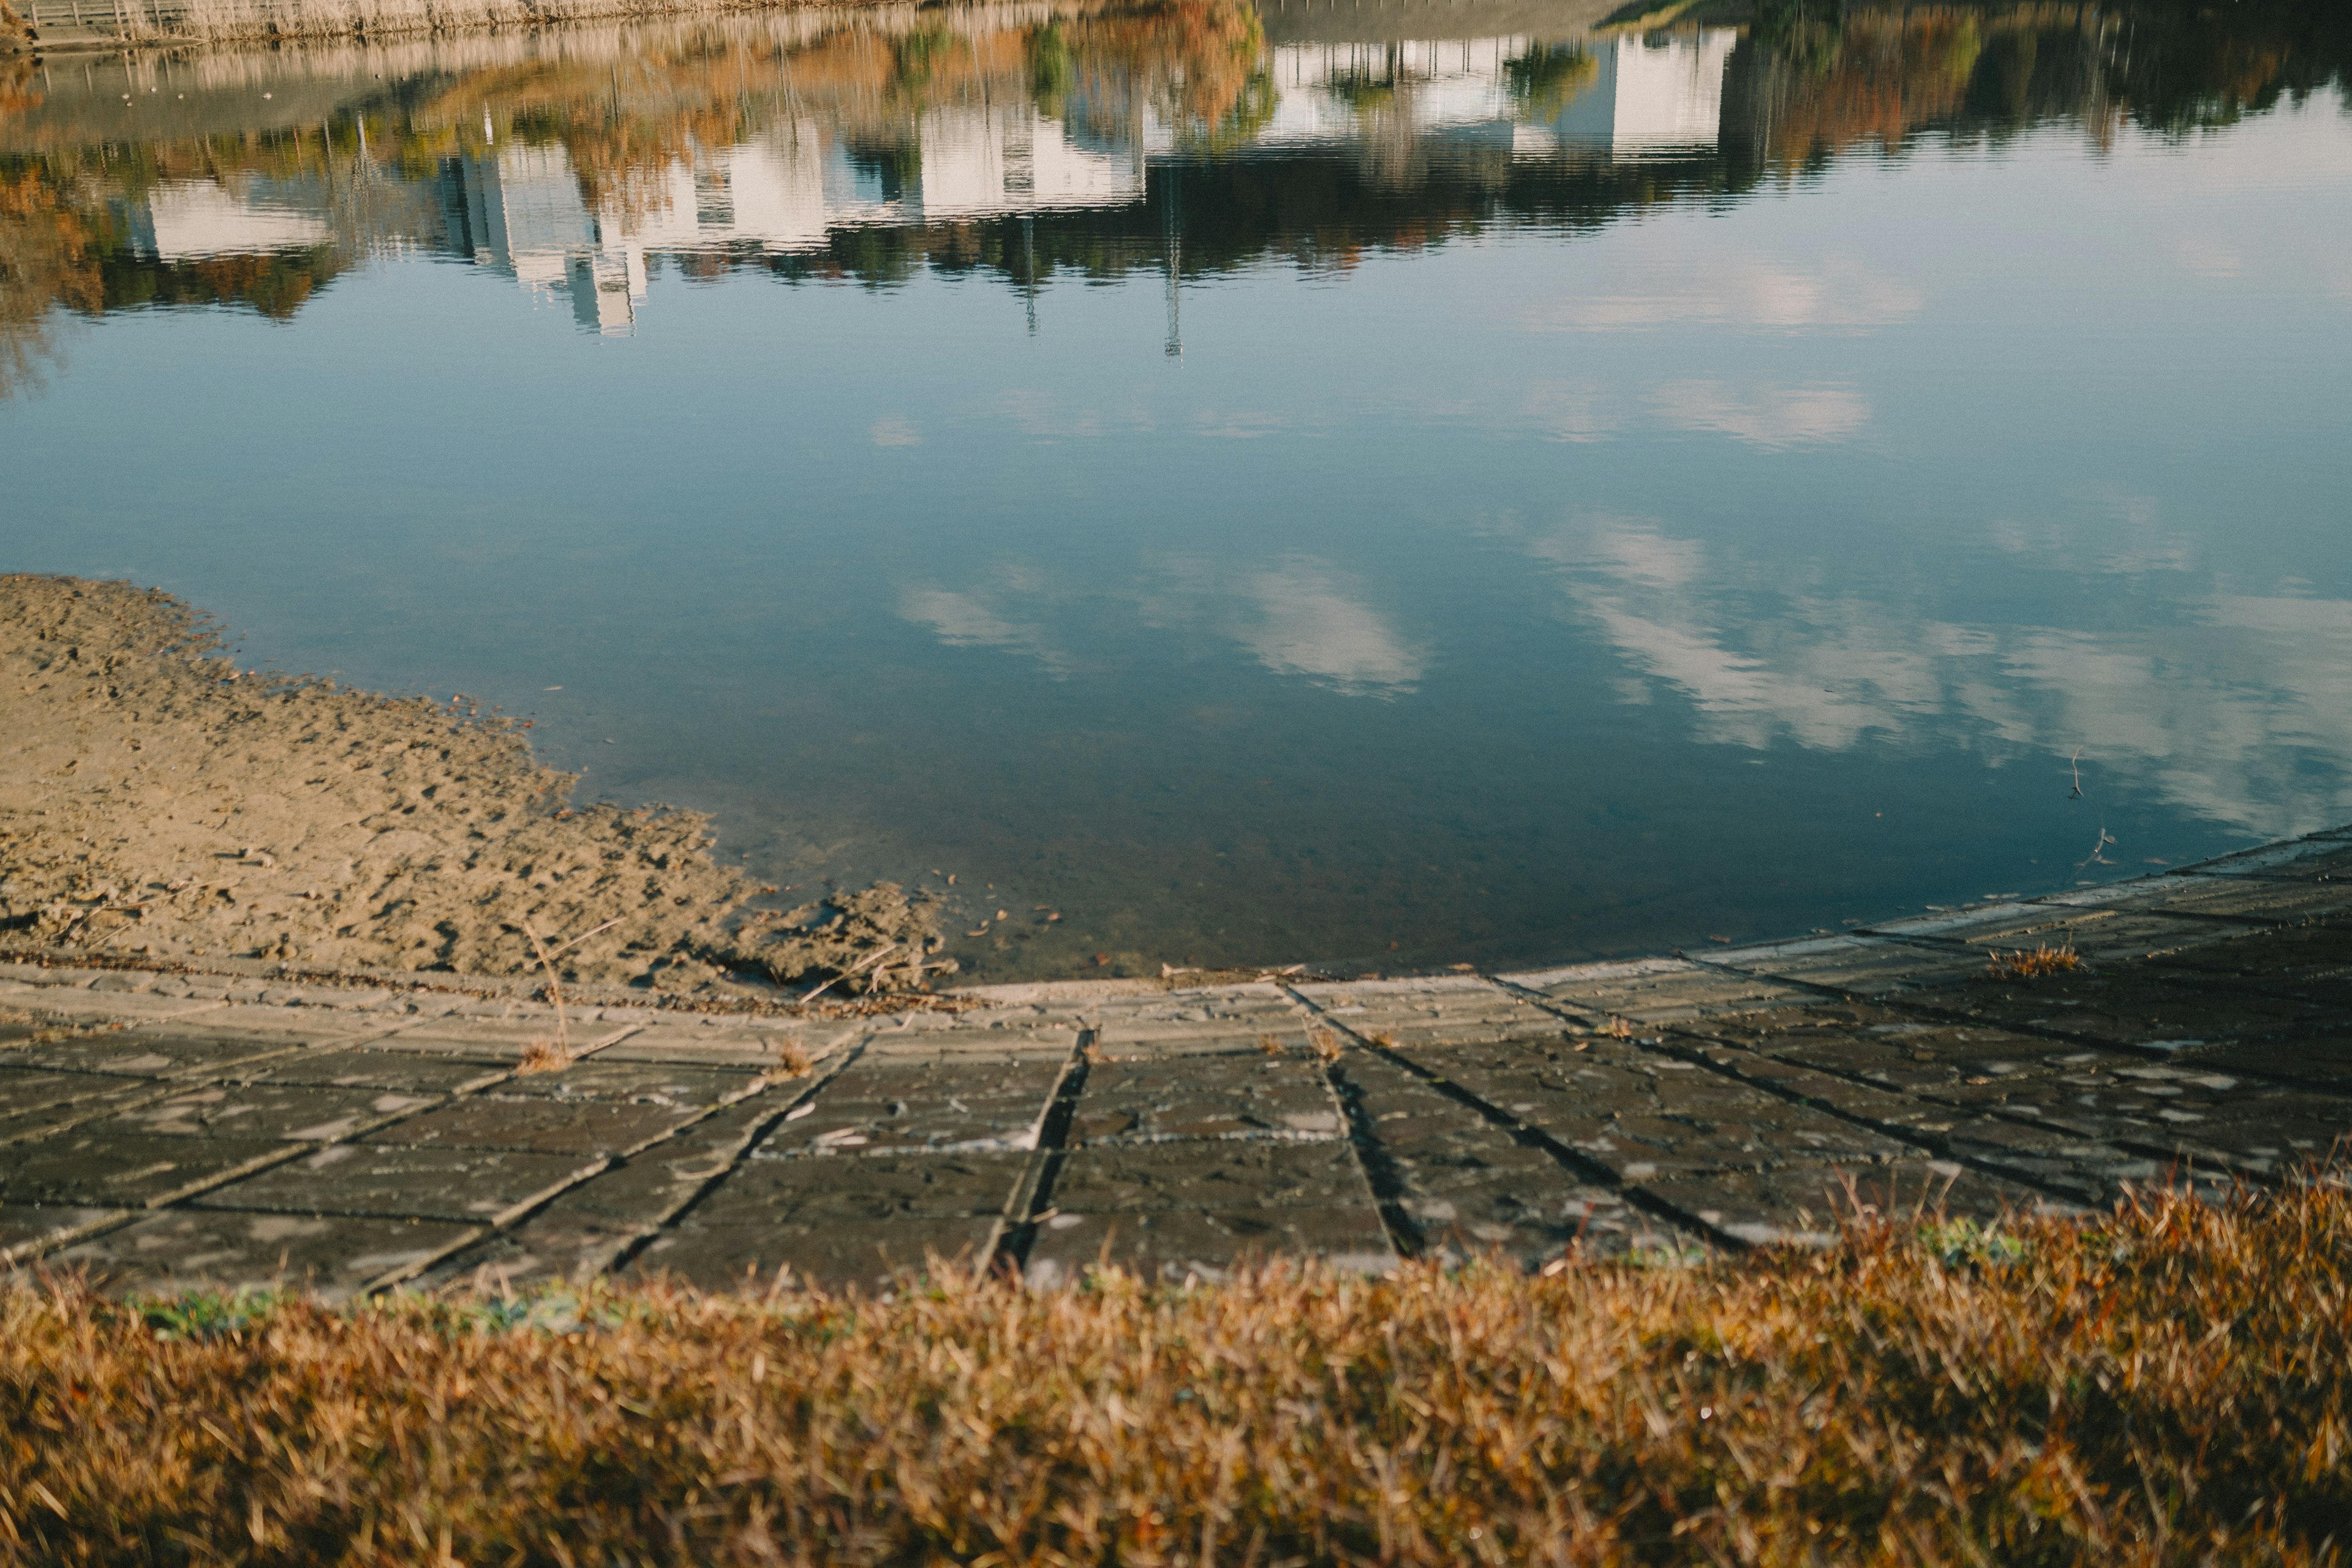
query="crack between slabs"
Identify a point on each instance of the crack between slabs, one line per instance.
(1015, 1231)
(1578, 1164)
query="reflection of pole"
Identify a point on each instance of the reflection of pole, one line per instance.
(1029, 268)
(1172, 245)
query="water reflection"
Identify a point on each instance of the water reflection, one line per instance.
(1030, 140)
(1260, 481)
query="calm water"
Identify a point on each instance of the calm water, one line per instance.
(1382, 484)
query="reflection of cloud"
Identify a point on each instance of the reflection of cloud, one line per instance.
(964, 620)
(1731, 291)
(1570, 410)
(1296, 617)
(896, 430)
(1308, 626)
(1766, 416)
(2224, 708)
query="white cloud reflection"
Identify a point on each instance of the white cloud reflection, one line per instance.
(1297, 616)
(2221, 708)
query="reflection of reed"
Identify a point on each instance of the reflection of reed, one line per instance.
(170, 21)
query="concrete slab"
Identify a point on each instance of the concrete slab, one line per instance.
(586, 1128)
(277, 1111)
(1655, 991)
(1445, 1012)
(29, 1231)
(1860, 965)
(87, 1168)
(477, 1186)
(199, 1249)
(133, 1006)
(636, 1083)
(854, 1192)
(1203, 1096)
(1466, 1187)
(151, 1053)
(398, 1072)
(585, 1230)
(1210, 1175)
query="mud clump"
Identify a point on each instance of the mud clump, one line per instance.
(868, 940)
(156, 800)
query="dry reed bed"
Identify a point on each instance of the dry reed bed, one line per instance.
(2167, 1384)
(186, 22)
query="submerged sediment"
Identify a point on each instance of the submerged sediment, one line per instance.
(157, 801)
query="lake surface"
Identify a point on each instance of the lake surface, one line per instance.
(1384, 485)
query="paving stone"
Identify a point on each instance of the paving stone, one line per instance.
(923, 1101)
(2278, 901)
(1987, 1095)
(2099, 936)
(1203, 1020)
(1183, 1245)
(1857, 964)
(1468, 1188)
(85, 1167)
(587, 1227)
(193, 1249)
(1653, 991)
(638, 1083)
(280, 1112)
(2320, 856)
(398, 1072)
(2309, 962)
(857, 1192)
(28, 1096)
(757, 1048)
(306, 1026)
(28, 1230)
(385, 1181)
(1211, 1174)
(1634, 1111)
(2322, 1060)
(873, 1255)
(1454, 1010)
(72, 1003)
(538, 1126)
(148, 1053)
(2135, 1008)
(1203, 1096)
(494, 1039)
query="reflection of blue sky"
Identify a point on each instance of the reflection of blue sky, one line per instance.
(1915, 472)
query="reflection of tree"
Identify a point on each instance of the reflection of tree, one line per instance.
(1816, 76)
(1544, 80)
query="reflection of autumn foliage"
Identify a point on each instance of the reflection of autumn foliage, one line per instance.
(45, 260)
(1192, 62)
(1824, 76)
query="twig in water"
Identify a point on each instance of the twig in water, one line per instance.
(2075, 763)
(884, 951)
(2097, 855)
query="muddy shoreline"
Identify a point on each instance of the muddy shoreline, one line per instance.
(160, 805)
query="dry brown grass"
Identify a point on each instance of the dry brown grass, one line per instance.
(2032, 963)
(2167, 1384)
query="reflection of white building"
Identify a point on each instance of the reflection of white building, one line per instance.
(1642, 97)
(185, 220)
(521, 209)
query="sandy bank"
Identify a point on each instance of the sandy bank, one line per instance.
(155, 800)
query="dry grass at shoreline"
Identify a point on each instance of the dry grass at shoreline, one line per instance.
(2167, 1384)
